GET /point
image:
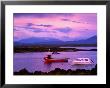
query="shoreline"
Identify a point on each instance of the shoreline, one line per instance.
(59, 71)
(35, 49)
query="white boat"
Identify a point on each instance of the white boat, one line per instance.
(83, 61)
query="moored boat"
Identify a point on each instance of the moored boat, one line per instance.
(55, 53)
(55, 60)
(82, 61)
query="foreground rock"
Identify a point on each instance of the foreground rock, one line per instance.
(59, 71)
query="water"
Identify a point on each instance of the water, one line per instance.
(34, 61)
(87, 48)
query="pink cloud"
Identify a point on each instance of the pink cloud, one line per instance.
(76, 22)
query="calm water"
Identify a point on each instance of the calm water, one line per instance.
(34, 61)
(81, 47)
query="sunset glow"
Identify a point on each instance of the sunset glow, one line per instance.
(62, 26)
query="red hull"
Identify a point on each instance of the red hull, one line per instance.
(55, 60)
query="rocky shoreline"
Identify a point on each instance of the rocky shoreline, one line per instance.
(59, 71)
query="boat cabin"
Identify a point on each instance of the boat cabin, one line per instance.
(82, 61)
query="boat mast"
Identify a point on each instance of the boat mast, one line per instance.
(49, 50)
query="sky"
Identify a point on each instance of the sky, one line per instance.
(62, 26)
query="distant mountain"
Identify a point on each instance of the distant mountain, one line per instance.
(91, 40)
(53, 41)
(40, 40)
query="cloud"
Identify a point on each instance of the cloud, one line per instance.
(16, 29)
(72, 21)
(64, 30)
(76, 21)
(44, 25)
(57, 25)
(79, 22)
(29, 24)
(36, 30)
(33, 29)
(33, 15)
(65, 19)
(42, 15)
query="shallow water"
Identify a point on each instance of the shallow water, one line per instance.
(34, 61)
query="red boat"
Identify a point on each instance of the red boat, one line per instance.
(55, 60)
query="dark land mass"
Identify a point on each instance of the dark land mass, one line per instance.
(59, 71)
(46, 49)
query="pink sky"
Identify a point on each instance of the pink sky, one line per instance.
(65, 26)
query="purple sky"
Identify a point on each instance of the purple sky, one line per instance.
(62, 26)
